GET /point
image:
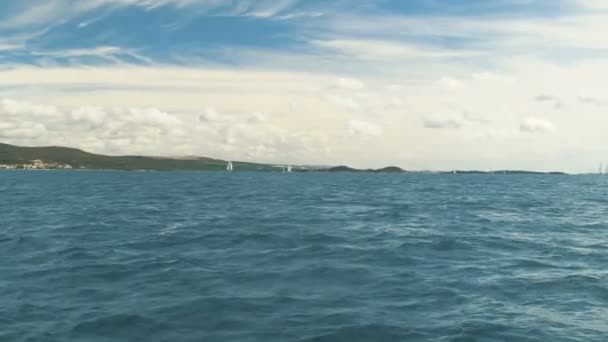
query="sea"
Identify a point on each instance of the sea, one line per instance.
(217, 256)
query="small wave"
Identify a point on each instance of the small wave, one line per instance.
(366, 333)
(474, 331)
(526, 264)
(593, 226)
(170, 229)
(76, 253)
(448, 244)
(315, 258)
(442, 244)
(119, 326)
(501, 217)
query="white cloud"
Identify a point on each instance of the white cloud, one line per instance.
(209, 115)
(449, 82)
(592, 100)
(10, 47)
(492, 78)
(150, 131)
(364, 128)
(346, 103)
(136, 129)
(439, 121)
(384, 50)
(350, 83)
(257, 118)
(276, 104)
(32, 13)
(254, 137)
(314, 130)
(111, 54)
(552, 101)
(594, 4)
(535, 125)
(41, 13)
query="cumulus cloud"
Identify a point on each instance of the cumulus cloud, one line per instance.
(452, 120)
(549, 100)
(209, 115)
(364, 128)
(591, 100)
(350, 83)
(475, 118)
(112, 130)
(535, 125)
(346, 103)
(545, 98)
(257, 118)
(449, 82)
(339, 72)
(441, 121)
(488, 77)
(253, 137)
(150, 131)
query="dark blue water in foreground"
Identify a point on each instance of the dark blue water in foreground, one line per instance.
(141, 256)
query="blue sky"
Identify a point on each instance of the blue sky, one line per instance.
(426, 84)
(172, 32)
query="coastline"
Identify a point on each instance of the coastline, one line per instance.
(54, 158)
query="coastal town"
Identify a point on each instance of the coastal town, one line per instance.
(36, 165)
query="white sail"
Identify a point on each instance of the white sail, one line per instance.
(229, 167)
(289, 169)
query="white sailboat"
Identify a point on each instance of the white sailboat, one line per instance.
(229, 167)
(285, 168)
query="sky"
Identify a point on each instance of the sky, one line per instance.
(420, 84)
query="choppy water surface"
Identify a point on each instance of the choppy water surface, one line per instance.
(177, 256)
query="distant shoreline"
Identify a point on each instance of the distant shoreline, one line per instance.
(70, 159)
(489, 173)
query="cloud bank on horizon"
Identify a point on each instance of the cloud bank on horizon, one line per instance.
(428, 84)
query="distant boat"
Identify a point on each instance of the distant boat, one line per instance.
(602, 171)
(285, 168)
(229, 167)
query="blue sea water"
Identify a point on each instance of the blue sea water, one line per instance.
(187, 256)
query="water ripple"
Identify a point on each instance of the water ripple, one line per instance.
(186, 256)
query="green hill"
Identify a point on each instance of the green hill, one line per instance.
(390, 169)
(79, 159)
(11, 156)
(343, 168)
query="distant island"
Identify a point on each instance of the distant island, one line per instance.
(54, 157)
(390, 169)
(64, 158)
